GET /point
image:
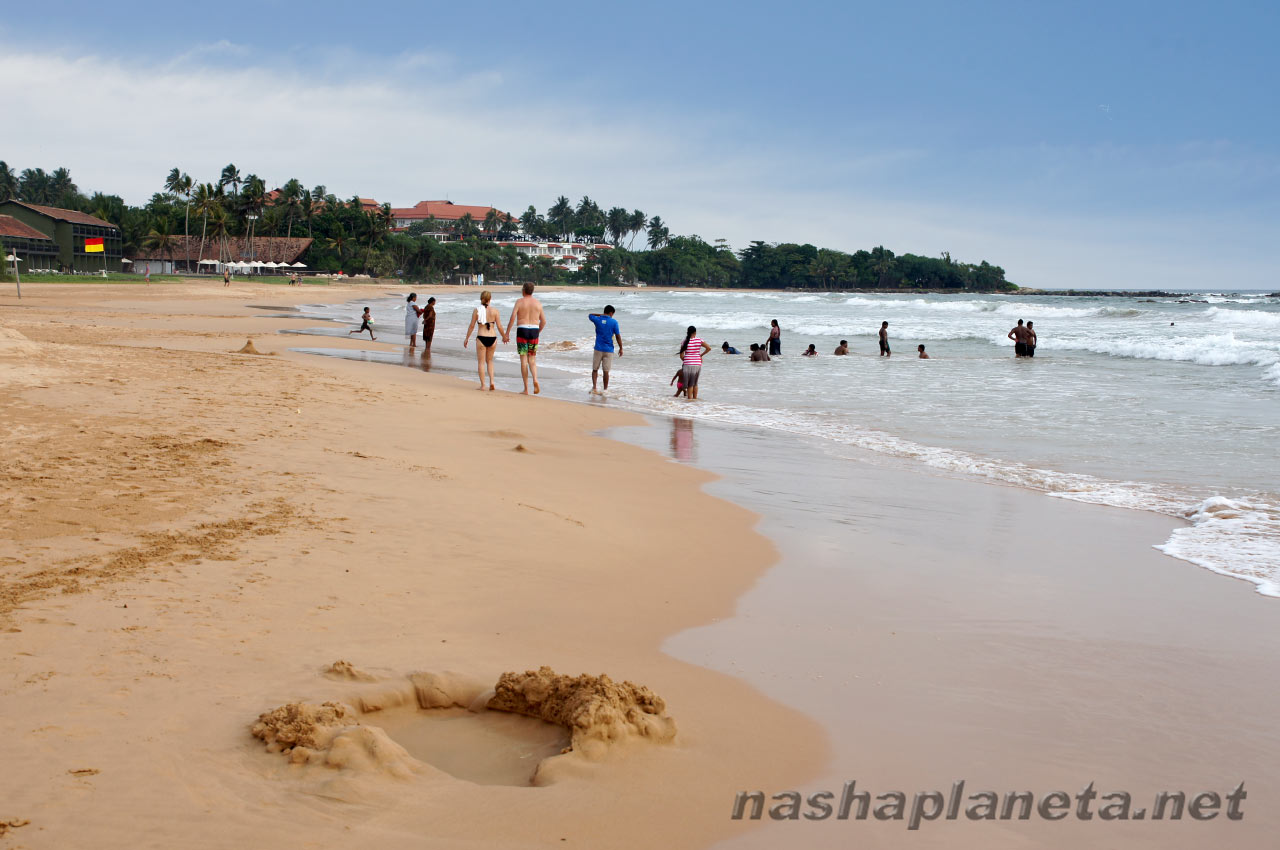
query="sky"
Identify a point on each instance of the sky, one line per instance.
(1093, 145)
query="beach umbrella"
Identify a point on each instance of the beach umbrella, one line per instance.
(126, 260)
(269, 264)
(299, 265)
(207, 262)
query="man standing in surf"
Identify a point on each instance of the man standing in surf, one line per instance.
(1019, 336)
(884, 340)
(529, 320)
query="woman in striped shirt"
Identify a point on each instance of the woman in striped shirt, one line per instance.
(692, 352)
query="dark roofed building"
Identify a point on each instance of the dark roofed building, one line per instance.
(187, 252)
(72, 232)
(34, 250)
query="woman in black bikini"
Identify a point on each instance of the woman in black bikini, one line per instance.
(486, 322)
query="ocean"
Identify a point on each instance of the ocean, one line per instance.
(1169, 405)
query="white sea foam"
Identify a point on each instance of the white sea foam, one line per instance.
(1219, 350)
(1232, 537)
(1244, 318)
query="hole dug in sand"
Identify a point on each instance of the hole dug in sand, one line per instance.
(505, 736)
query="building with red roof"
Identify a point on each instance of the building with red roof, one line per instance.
(442, 211)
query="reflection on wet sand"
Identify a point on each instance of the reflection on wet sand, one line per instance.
(682, 440)
(411, 358)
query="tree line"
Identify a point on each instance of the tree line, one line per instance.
(347, 236)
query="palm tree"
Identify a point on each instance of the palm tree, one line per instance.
(290, 198)
(181, 184)
(492, 222)
(615, 224)
(635, 226)
(231, 177)
(8, 182)
(219, 224)
(307, 210)
(206, 201)
(530, 221)
(658, 233)
(161, 238)
(338, 242)
(252, 200)
(561, 216)
(466, 226)
(62, 188)
(34, 186)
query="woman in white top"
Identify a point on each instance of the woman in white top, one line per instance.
(487, 324)
(411, 313)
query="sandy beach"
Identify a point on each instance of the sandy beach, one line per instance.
(195, 537)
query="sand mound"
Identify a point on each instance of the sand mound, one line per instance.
(14, 344)
(249, 348)
(346, 670)
(562, 345)
(331, 734)
(596, 710)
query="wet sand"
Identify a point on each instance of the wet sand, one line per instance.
(945, 629)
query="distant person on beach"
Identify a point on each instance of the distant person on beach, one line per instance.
(606, 332)
(529, 320)
(366, 324)
(1031, 339)
(1019, 336)
(758, 354)
(920, 348)
(429, 323)
(775, 338)
(884, 340)
(678, 380)
(691, 352)
(843, 347)
(485, 322)
(726, 348)
(811, 351)
(226, 277)
(411, 314)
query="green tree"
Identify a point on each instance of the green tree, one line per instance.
(230, 177)
(161, 238)
(560, 216)
(8, 182)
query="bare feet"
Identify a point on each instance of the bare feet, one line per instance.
(536, 389)
(492, 388)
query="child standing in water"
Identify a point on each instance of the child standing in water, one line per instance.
(366, 324)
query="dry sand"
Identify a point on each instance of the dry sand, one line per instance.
(193, 537)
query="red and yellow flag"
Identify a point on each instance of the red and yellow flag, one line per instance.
(93, 246)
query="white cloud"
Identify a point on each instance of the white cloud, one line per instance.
(409, 129)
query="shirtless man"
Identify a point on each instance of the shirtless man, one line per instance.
(759, 354)
(843, 347)
(1031, 339)
(1019, 337)
(529, 320)
(884, 340)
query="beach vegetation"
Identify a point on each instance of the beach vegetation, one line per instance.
(359, 238)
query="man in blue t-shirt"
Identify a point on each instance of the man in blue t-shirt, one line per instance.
(606, 332)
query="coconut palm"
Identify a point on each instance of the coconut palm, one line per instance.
(206, 200)
(62, 188)
(231, 177)
(659, 234)
(635, 226)
(561, 216)
(181, 184)
(290, 198)
(8, 182)
(35, 186)
(492, 222)
(338, 242)
(161, 238)
(219, 225)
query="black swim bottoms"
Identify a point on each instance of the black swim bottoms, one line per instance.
(486, 341)
(1020, 349)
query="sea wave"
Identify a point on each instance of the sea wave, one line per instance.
(1219, 350)
(1247, 532)
(1244, 318)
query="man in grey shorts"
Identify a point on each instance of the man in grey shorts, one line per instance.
(606, 332)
